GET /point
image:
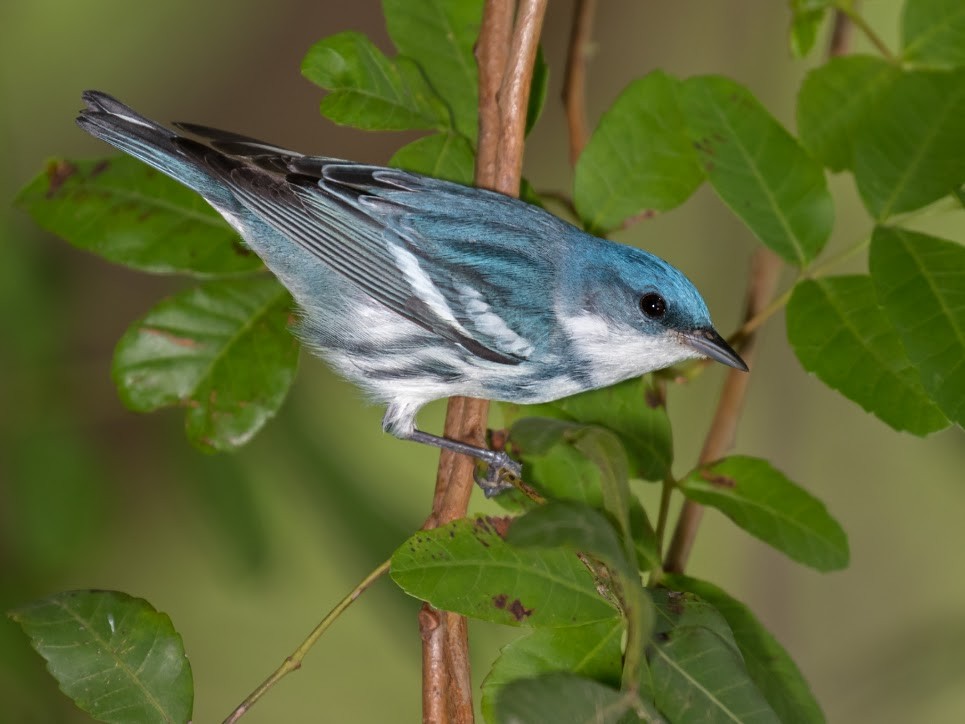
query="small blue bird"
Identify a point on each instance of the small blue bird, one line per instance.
(417, 289)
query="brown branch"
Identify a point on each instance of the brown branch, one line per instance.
(840, 35)
(765, 270)
(514, 95)
(574, 81)
(505, 59)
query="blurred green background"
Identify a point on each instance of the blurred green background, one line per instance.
(246, 553)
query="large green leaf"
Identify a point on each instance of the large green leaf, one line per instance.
(222, 350)
(562, 698)
(128, 213)
(695, 672)
(368, 90)
(840, 333)
(439, 35)
(933, 33)
(467, 567)
(638, 159)
(768, 664)
(913, 152)
(836, 102)
(447, 156)
(762, 501)
(633, 409)
(757, 168)
(592, 651)
(920, 281)
(118, 658)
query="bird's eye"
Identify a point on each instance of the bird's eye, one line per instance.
(653, 305)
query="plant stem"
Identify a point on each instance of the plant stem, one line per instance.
(765, 269)
(294, 660)
(574, 81)
(846, 8)
(505, 55)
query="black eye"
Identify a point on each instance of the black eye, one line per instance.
(653, 305)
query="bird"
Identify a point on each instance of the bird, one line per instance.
(417, 289)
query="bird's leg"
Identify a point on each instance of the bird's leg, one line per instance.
(501, 470)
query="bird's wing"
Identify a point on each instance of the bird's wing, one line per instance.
(446, 257)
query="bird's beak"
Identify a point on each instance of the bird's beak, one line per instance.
(709, 343)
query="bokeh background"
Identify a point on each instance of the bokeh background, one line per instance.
(247, 552)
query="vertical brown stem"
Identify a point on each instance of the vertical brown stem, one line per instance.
(505, 57)
(574, 82)
(765, 270)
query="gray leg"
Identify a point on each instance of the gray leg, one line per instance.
(502, 468)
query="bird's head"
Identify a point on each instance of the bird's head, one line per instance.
(635, 313)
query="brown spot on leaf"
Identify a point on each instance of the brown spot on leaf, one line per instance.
(500, 524)
(57, 173)
(721, 481)
(519, 611)
(654, 398)
(499, 601)
(99, 168)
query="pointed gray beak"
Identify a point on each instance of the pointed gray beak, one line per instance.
(710, 344)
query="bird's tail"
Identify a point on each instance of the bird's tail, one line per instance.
(112, 121)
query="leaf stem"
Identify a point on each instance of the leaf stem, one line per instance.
(294, 660)
(574, 81)
(846, 8)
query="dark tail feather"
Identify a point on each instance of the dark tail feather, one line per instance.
(183, 160)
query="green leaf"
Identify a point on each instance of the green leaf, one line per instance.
(836, 103)
(574, 462)
(115, 656)
(585, 530)
(840, 333)
(762, 501)
(634, 410)
(439, 36)
(638, 159)
(933, 33)
(806, 20)
(696, 673)
(368, 90)
(768, 664)
(467, 567)
(757, 168)
(920, 281)
(442, 155)
(644, 537)
(552, 464)
(913, 152)
(537, 89)
(222, 350)
(697, 677)
(562, 698)
(128, 213)
(593, 651)
(560, 524)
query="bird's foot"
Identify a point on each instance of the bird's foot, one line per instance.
(502, 473)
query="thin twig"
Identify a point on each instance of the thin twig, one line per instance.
(765, 270)
(294, 661)
(574, 81)
(855, 17)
